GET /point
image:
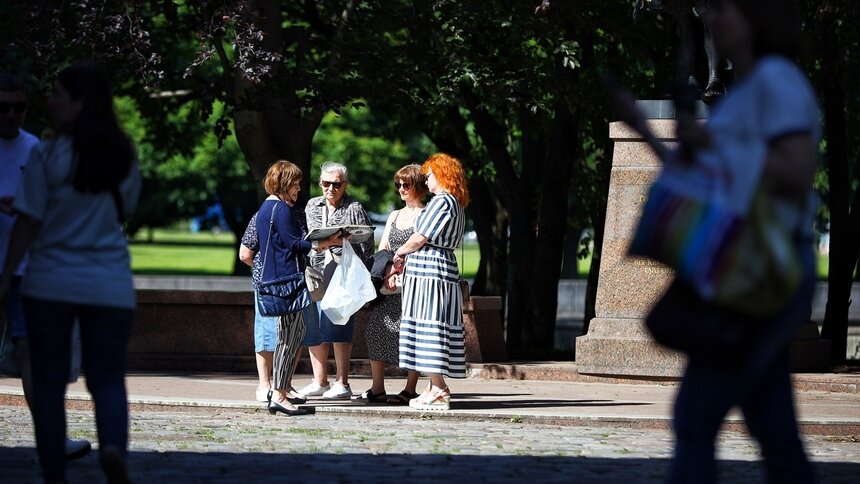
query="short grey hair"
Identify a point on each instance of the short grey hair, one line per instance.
(335, 167)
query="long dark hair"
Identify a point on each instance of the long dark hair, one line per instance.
(104, 152)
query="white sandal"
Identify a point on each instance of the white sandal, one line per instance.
(433, 401)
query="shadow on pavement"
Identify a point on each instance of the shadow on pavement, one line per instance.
(19, 464)
(539, 403)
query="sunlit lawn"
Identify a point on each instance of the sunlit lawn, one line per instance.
(204, 253)
(181, 252)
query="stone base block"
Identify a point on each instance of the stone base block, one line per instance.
(483, 328)
(189, 330)
(808, 351)
(624, 347)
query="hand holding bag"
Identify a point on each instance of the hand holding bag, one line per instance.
(284, 294)
(350, 288)
(316, 284)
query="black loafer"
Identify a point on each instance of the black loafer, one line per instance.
(275, 407)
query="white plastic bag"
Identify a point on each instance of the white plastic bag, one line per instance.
(350, 288)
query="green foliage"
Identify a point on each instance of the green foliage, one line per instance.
(179, 185)
(370, 151)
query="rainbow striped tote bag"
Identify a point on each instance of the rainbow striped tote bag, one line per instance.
(744, 262)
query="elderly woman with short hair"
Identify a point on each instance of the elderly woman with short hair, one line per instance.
(431, 326)
(334, 207)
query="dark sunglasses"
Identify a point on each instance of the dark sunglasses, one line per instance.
(18, 107)
(326, 184)
(404, 185)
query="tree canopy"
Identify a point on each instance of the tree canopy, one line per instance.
(215, 91)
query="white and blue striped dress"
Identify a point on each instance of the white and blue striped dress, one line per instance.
(431, 325)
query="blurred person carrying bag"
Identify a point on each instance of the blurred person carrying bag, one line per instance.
(746, 263)
(734, 265)
(731, 269)
(285, 294)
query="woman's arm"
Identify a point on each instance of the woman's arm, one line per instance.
(790, 165)
(624, 104)
(246, 255)
(24, 232)
(289, 231)
(415, 242)
(383, 243)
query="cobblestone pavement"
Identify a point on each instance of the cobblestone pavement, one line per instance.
(252, 446)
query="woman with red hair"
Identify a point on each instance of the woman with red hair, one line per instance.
(431, 325)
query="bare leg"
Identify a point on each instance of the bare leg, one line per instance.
(264, 368)
(715, 87)
(377, 370)
(411, 382)
(26, 370)
(342, 356)
(319, 363)
(438, 381)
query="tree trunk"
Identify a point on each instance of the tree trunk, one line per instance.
(491, 221)
(599, 218)
(492, 230)
(844, 225)
(553, 182)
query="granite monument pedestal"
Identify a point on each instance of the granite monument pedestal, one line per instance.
(618, 343)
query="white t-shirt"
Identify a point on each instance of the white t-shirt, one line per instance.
(80, 254)
(14, 154)
(774, 100)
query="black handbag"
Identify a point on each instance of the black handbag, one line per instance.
(285, 294)
(710, 334)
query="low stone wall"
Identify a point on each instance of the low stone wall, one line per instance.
(203, 330)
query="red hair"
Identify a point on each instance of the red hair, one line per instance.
(450, 175)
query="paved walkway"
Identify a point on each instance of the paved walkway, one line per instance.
(207, 428)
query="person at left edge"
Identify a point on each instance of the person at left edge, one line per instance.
(74, 192)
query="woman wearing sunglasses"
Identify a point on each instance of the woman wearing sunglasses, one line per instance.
(431, 325)
(383, 328)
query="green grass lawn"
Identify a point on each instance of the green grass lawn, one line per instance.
(204, 253)
(183, 253)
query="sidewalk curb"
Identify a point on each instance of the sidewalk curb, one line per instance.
(638, 422)
(568, 372)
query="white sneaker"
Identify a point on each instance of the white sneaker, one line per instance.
(338, 392)
(75, 449)
(314, 389)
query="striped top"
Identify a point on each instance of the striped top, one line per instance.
(442, 222)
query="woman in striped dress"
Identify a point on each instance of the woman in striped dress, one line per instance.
(431, 326)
